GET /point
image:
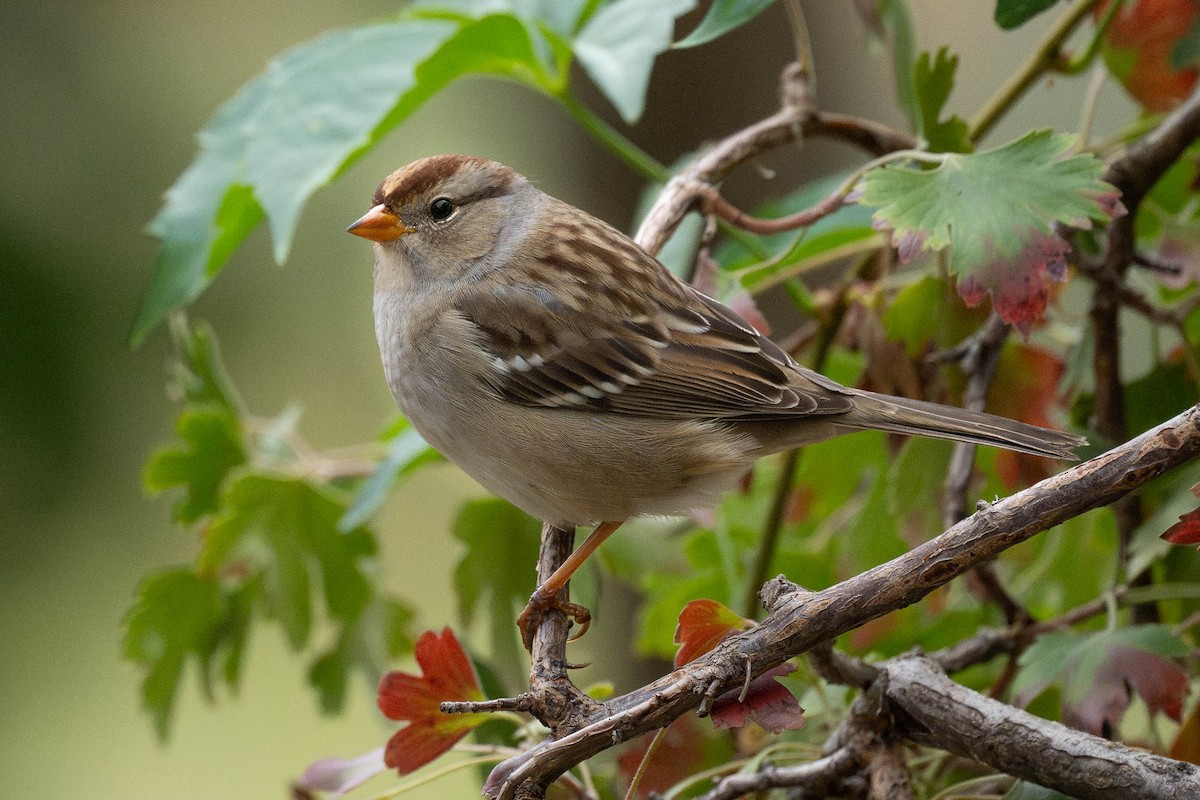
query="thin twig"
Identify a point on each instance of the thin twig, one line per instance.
(817, 778)
(797, 118)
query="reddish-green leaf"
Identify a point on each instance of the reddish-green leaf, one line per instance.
(996, 211)
(1025, 388)
(1099, 671)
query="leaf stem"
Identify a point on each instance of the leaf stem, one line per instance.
(1081, 60)
(635, 157)
(802, 41)
(1044, 58)
(436, 774)
(641, 770)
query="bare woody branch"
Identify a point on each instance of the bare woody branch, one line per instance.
(798, 620)
(934, 710)
(797, 118)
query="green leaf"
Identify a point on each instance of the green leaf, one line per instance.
(846, 228)
(1012, 14)
(284, 529)
(926, 312)
(1170, 493)
(498, 568)
(978, 201)
(198, 375)
(561, 16)
(406, 453)
(668, 592)
(328, 675)
(311, 114)
(212, 447)
(271, 145)
(933, 82)
(722, 17)
(997, 208)
(1157, 639)
(915, 477)
(175, 618)
(1186, 51)
(618, 45)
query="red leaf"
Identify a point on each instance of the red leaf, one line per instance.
(767, 702)
(1137, 49)
(702, 626)
(446, 675)
(1157, 680)
(1020, 286)
(1186, 531)
(1025, 388)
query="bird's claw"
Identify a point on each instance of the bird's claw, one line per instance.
(539, 603)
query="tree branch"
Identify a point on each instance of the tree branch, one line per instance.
(798, 619)
(933, 710)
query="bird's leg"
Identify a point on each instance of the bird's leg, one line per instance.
(545, 597)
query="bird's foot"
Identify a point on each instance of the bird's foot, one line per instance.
(539, 603)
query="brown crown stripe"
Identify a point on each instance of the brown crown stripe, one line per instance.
(422, 177)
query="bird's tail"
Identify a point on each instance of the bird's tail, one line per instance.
(919, 418)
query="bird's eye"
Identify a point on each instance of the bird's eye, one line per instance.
(441, 209)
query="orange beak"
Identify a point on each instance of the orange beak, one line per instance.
(379, 225)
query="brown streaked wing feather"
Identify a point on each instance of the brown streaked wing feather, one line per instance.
(628, 351)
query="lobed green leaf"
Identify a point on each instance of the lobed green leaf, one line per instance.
(933, 80)
(212, 447)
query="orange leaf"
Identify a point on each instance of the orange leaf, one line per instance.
(446, 675)
(1187, 741)
(702, 626)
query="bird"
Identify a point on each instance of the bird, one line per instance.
(565, 369)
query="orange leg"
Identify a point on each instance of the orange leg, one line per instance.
(545, 597)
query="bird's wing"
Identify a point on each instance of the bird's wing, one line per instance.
(648, 345)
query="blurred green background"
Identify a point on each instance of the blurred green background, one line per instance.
(101, 102)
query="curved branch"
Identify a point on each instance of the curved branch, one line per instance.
(796, 119)
(800, 619)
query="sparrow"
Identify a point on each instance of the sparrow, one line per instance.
(566, 370)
